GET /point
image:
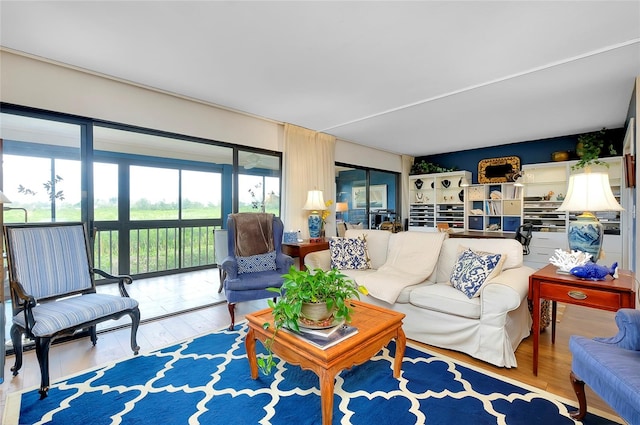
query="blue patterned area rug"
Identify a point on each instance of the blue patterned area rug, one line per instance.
(206, 380)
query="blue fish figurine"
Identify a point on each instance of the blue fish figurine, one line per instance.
(593, 271)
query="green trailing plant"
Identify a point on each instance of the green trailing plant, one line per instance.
(306, 286)
(592, 146)
(424, 167)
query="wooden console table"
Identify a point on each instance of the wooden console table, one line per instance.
(301, 249)
(609, 294)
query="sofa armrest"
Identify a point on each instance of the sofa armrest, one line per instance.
(628, 337)
(318, 260)
(506, 291)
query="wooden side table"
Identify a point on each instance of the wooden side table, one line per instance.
(301, 249)
(609, 294)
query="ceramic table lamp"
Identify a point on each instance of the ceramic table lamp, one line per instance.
(587, 193)
(315, 204)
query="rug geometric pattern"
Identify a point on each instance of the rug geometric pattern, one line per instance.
(206, 380)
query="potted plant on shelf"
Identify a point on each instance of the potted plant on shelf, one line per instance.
(589, 148)
(310, 297)
(424, 167)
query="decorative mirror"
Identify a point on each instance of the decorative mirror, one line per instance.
(498, 170)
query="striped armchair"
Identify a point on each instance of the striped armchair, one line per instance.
(53, 291)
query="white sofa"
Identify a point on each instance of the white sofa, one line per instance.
(488, 327)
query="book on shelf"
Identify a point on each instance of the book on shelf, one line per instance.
(341, 333)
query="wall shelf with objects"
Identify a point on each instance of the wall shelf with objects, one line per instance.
(544, 191)
(437, 198)
(494, 207)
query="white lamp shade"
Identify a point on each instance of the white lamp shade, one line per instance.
(341, 206)
(4, 199)
(590, 191)
(464, 182)
(315, 201)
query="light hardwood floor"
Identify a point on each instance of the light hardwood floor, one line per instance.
(68, 358)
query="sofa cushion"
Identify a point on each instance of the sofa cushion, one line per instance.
(411, 258)
(449, 253)
(377, 244)
(474, 269)
(349, 253)
(445, 299)
(257, 263)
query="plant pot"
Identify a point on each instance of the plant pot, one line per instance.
(316, 312)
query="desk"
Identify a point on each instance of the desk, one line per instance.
(301, 249)
(481, 234)
(610, 294)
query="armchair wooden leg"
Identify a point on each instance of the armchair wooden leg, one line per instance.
(223, 276)
(16, 339)
(232, 313)
(93, 334)
(42, 353)
(578, 387)
(135, 322)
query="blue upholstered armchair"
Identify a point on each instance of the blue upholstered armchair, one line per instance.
(248, 277)
(611, 367)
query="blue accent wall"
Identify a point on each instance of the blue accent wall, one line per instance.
(530, 152)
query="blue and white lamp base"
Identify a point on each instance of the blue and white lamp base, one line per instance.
(585, 234)
(314, 226)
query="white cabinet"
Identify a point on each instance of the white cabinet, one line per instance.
(437, 198)
(494, 207)
(545, 188)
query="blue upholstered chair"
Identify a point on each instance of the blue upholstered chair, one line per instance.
(53, 291)
(241, 284)
(611, 367)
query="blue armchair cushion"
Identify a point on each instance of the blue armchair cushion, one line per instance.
(54, 316)
(473, 269)
(349, 253)
(257, 263)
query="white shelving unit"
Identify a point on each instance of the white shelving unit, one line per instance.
(437, 198)
(494, 207)
(545, 187)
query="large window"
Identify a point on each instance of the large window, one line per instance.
(154, 193)
(367, 197)
(150, 199)
(41, 169)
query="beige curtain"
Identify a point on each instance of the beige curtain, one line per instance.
(308, 164)
(407, 162)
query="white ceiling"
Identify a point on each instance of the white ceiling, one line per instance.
(416, 78)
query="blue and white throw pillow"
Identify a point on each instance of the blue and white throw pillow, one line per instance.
(257, 263)
(349, 253)
(473, 269)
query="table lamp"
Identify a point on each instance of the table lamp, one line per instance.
(587, 193)
(315, 204)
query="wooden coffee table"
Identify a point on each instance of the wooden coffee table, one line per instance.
(377, 326)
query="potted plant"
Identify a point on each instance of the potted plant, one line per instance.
(306, 291)
(589, 147)
(424, 167)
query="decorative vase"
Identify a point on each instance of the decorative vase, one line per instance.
(585, 234)
(316, 312)
(560, 156)
(314, 223)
